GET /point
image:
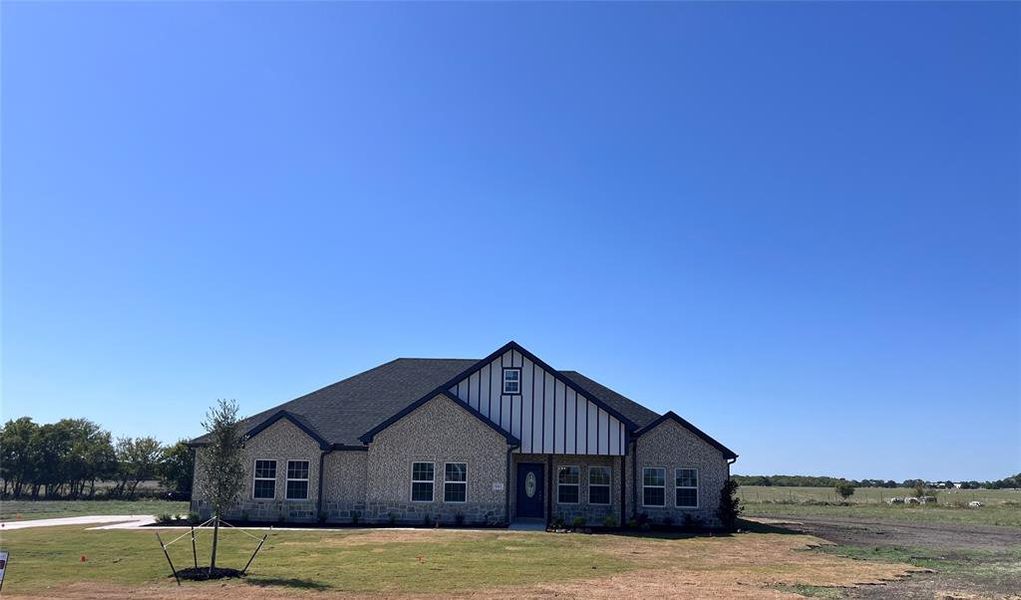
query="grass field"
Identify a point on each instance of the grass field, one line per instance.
(1002, 507)
(47, 562)
(20, 510)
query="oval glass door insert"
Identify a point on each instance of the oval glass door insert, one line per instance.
(530, 485)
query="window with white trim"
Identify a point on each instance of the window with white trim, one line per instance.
(568, 478)
(455, 482)
(297, 480)
(653, 486)
(599, 485)
(264, 485)
(512, 380)
(686, 488)
(422, 477)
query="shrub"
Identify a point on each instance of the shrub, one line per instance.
(632, 523)
(844, 489)
(194, 518)
(322, 516)
(427, 520)
(166, 519)
(557, 522)
(356, 517)
(668, 521)
(391, 519)
(730, 506)
(691, 522)
(610, 521)
(578, 522)
(459, 519)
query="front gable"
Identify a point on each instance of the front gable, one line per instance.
(549, 414)
(672, 420)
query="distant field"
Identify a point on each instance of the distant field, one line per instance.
(1002, 507)
(17, 510)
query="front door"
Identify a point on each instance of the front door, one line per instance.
(530, 490)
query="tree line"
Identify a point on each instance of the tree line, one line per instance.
(821, 481)
(67, 458)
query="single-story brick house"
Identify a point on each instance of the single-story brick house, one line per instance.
(496, 440)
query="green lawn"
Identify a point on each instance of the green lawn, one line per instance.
(18, 510)
(50, 556)
(1002, 507)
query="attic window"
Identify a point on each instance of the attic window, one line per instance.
(512, 381)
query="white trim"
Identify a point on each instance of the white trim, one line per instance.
(698, 479)
(504, 381)
(287, 478)
(577, 485)
(608, 485)
(432, 482)
(465, 482)
(662, 487)
(273, 479)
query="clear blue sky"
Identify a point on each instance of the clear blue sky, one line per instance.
(796, 225)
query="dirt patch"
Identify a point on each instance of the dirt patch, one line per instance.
(944, 536)
(962, 561)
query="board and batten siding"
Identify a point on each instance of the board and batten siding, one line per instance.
(548, 416)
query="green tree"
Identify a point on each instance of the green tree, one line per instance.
(16, 453)
(138, 460)
(222, 466)
(177, 467)
(845, 489)
(730, 505)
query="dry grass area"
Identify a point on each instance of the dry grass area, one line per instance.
(312, 565)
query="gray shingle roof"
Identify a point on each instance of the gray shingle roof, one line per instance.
(341, 412)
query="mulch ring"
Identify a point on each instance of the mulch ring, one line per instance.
(203, 574)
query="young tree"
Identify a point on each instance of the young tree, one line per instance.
(845, 489)
(222, 466)
(730, 505)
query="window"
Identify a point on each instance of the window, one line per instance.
(567, 485)
(512, 381)
(297, 480)
(599, 485)
(265, 486)
(422, 476)
(653, 486)
(686, 488)
(455, 482)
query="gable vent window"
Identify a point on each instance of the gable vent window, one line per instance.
(297, 480)
(265, 484)
(422, 477)
(512, 381)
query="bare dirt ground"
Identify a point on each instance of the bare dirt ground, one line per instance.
(969, 561)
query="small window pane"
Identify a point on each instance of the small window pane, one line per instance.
(687, 497)
(264, 488)
(266, 469)
(422, 492)
(456, 472)
(599, 476)
(687, 478)
(297, 490)
(599, 494)
(512, 381)
(567, 494)
(297, 469)
(455, 492)
(654, 477)
(422, 472)
(654, 497)
(568, 475)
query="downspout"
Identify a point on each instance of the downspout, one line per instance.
(319, 496)
(623, 486)
(634, 476)
(549, 489)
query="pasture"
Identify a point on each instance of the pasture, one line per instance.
(1002, 507)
